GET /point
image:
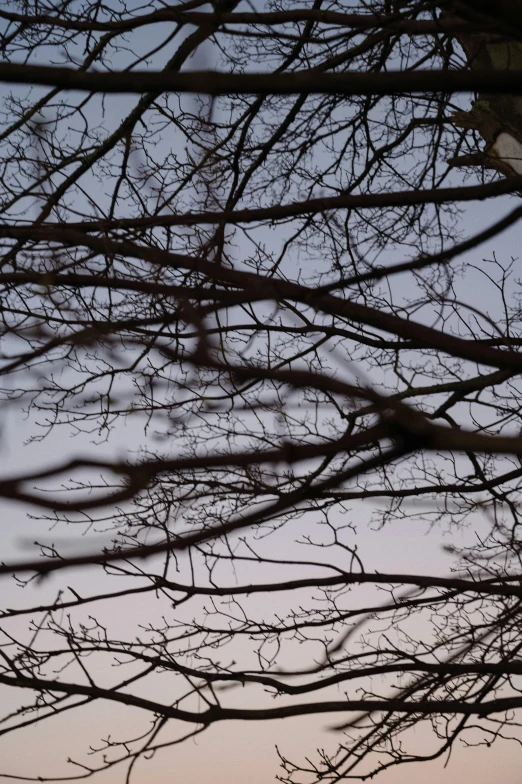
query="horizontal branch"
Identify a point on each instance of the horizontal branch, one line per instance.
(392, 23)
(296, 83)
(406, 428)
(216, 713)
(416, 666)
(490, 587)
(258, 287)
(275, 212)
(283, 503)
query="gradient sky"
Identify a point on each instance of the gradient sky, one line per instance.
(231, 753)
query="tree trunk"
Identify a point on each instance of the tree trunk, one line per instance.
(498, 118)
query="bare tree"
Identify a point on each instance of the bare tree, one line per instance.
(241, 227)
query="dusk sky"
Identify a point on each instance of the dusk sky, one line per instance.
(233, 752)
(230, 752)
